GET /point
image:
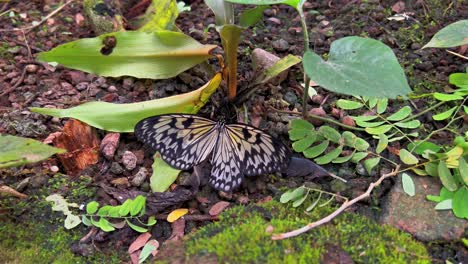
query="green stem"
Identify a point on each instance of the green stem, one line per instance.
(305, 97)
(422, 112)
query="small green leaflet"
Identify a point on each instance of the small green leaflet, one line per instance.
(408, 184)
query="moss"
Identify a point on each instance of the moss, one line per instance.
(33, 233)
(240, 237)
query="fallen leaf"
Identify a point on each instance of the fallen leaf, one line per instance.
(120, 181)
(81, 142)
(178, 228)
(134, 257)
(139, 242)
(218, 208)
(50, 138)
(394, 151)
(176, 214)
(398, 7)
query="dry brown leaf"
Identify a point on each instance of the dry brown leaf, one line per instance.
(81, 143)
(218, 208)
(178, 228)
(398, 7)
(11, 191)
(139, 242)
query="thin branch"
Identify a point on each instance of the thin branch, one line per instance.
(457, 54)
(18, 83)
(338, 211)
(28, 28)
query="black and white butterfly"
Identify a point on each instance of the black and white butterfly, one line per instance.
(185, 141)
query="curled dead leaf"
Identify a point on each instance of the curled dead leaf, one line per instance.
(218, 208)
(176, 214)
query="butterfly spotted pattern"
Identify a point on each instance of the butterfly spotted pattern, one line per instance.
(236, 150)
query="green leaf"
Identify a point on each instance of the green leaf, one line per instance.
(315, 151)
(378, 130)
(304, 143)
(105, 225)
(151, 220)
(446, 194)
(444, 205)
(363, 118)
(452, 35)
(373, 102)
(400, 114)
(124, 117)
(410, 124)
(136, 228)
(446, 177)
(447, 97)
(431, 169)
(300, 201)
(295, 195)
(277, 68)
(104, 211)
(358, 156)
(459, 79)
(344, 159)
(125, 207)
(86, 221)
(382, 105)
(251, 16)
(147, 250)
(286, 197)
(348, 105)
(72, 221)
(356, 66)
(327, 158)
(224, 11)
(383, 143)
(163, 175)
(463, 168)
(294, 3)
(369, 164)
(419, 172)
(17, 151)
(300, 129)
(420, 147)
(408, 184)
(407, 158)
(114, 211)
(158, 55)
(433, 198)
(369, 124)
(139, 204)
(330, 133)
(459, 203)
(160, 15)
(444, 115)
(92, 207)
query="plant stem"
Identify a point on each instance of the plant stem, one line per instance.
(324, 119)
(422, 112)
(305, 97)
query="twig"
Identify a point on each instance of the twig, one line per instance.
(338, 211)
(457, 54)
(191, 217)
(28, 28)
(325, 119)
(20, 80)
(23, 44)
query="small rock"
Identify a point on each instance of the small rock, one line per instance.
(12, 75)
(93, 90)
(31, 68)
(280, 45)
(185, 78)
(349, 121)
(274, 21)
(30, 79)
(116, 168)
(415, 46)
(82, 86)
(38, 180)
(112, 89)
(66, 86)
(318, 111)
(129, 160)
(425, 66)
(416, 214)
(120, 181)
(23, 184)
(54, 168)
(269, 12)
(100, 81)
(109, 144)
(262, 60)
(127, 83)
(290, 97)
(140, 177)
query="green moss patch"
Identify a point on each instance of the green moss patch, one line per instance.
(241, 237)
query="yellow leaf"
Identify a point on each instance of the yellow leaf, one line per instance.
(176, 214)
(453, 156)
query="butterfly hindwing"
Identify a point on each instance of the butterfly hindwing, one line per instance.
(183, 140)
(258, 152)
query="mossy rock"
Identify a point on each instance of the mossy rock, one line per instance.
(240, 237)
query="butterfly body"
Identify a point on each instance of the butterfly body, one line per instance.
(234, 150)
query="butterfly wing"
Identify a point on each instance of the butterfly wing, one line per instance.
(183, 140)
(245, 150)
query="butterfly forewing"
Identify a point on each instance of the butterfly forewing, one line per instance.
(259, 152)
(183, 140)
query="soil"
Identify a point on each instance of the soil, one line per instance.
(25, 83)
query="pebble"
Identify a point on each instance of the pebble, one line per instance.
(280, 45)
(112, 89)
(129, 160)
(140, 177)
(127, 83)
(274, 21)
(116, 168)
(290, 97)
(82, 86)
(31, 68)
